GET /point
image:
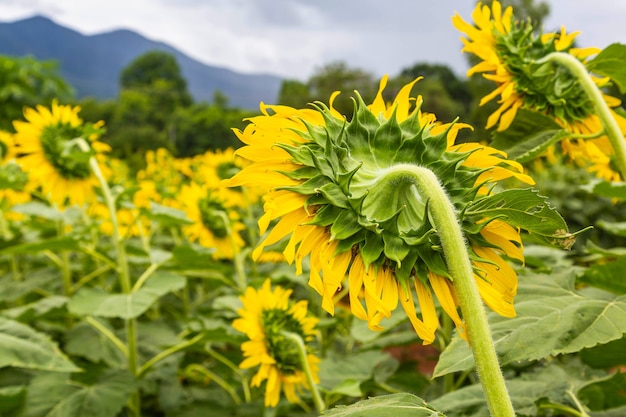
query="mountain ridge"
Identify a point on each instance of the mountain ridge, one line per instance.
(92, 63)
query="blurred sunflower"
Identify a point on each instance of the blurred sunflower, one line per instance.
(13, 180)
(508, 50)
(327, 190)
(130, 222)
(46, 150)
(265, 314)
(215, 225)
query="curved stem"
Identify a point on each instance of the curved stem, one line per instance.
(603, 111)
(235, 369)
(218, 380)
(124, 275)
(460, 268)
(167, 352)
(317, 398)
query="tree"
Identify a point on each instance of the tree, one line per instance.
(26, 82)
(157, 73)
(294, 93)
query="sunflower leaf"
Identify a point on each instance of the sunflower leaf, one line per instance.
(23, 347)
(611, 62)
(89, 301)
(527, 210)
(526, 126)
(553, 318)
(398, 405)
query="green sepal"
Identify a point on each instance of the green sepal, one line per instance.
(433, 260)
(345, 225)
(325, 216)
(372, 248)
(334, 194)
(361, 128)
(344, 178)
(404, 270)
(386, 141)
(347, 244)
(395, 248)
(308, 187)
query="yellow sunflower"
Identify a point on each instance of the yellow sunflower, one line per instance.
(508, 50)
(46, 150)
(323, 175)
(265, 314)
(215, 225)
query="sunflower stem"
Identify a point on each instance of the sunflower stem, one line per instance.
(603, 111)
(124, 277)
(460, 268)
(317, 398)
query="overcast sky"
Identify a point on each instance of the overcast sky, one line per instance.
(291, 38)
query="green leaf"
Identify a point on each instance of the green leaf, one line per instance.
(606, 394)
(528, 126)
(394, 405)
(554, 382)
(527, 210)
(552, 319)
(54, 244)
(611, 62)
(36, 309)
(23, 347)
(95, 302)
(35, 208)
(616, 190)
(609, 277)
(535, 145)
(605, 356)
(53, 396)
(11, 399)
(167, 215)
(345, 375)
(85, 341)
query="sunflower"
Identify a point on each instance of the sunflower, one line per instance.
(508, 51)
(265, 314)
(215, 225)
(324, 175)
(46, 150)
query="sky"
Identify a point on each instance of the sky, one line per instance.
(294, 38)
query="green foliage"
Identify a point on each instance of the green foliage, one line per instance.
(553, 318)
(610, 63)
(26, 82)
(395, 405)
(23, 347)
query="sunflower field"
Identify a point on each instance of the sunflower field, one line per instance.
(371, 264)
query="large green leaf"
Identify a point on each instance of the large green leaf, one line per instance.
(345, 375)
(609, 276)
(554, 383)
(611, 62)
(529, 131)
(167, 216)
(95, 302)
(54, 244)
(616, 190)
(85, 341)
(11, 399)
(56, 396)
(394, 405)
(23, 347)
(553, 318)
(605, 356)
(527, 210)
(36, 309)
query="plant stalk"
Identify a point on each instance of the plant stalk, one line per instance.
(460, 268)
(317, 398)
(124, 278)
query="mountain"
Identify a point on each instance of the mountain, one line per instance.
(92, 64)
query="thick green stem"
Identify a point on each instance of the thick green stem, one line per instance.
(235, 369)
(124, 278)
(460, 268)
(317, 398)
(602, 109)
